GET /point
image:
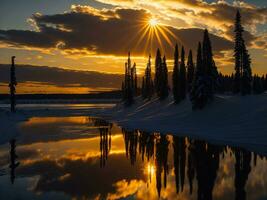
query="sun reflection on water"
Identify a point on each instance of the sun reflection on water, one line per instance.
(156, 164)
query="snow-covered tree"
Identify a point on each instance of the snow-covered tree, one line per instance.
(130, 82)
(210, 69)
(163, 82)
(199, 90)
(243, 74)
(182, 75)
(175, 77)
(190, 71)
(147, 81)
(158, 70)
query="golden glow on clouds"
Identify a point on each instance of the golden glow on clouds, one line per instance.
(43, 88)
(217, 17)
(153, 22)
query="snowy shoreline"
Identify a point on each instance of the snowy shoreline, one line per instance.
(232, 120)
(229, 120)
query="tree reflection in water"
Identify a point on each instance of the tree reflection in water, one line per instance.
(179, 162)
(105, 139)
(242, 170)
(164, 166)
(206, 163)
(13, 163)
(199, 158)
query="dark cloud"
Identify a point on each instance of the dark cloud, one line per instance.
(61, 77)
(226, 12)
(105, 32)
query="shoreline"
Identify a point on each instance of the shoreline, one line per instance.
(232, 120)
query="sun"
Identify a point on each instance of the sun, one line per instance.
(153, 22)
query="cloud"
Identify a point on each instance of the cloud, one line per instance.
(61, 77)
(216, 16)
(106, 31)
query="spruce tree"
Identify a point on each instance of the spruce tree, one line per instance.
(134, 79)
(164, 88)
(183, 75)
(246, 75)
(175, 77)
(210, 69)
(238, 48)
(190, 71)
(243, 74)
(148, 89)
(12, 85)
(198, 95)
(158, 70)
(128, 93)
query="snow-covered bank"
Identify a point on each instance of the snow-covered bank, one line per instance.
(9, 125)
(232, 120)
(10, 122)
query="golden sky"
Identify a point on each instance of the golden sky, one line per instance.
(95, 35)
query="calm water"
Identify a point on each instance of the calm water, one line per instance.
(60, 106)
(88, 158)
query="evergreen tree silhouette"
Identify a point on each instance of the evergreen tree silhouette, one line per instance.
(176, 77)
(246, 73)
(190, 71)
(130, 82)
(163, 82)
(243, 74)
(210, 69)
(158, 71)
(12, 85)
(183, 75)
(199, 91)
(148, 83)
(206, 76)
(134, 80)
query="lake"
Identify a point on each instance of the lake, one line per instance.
(81, 157)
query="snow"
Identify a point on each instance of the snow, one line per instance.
(10, 122)
(233, 120)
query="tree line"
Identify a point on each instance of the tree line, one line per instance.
(198, 80)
